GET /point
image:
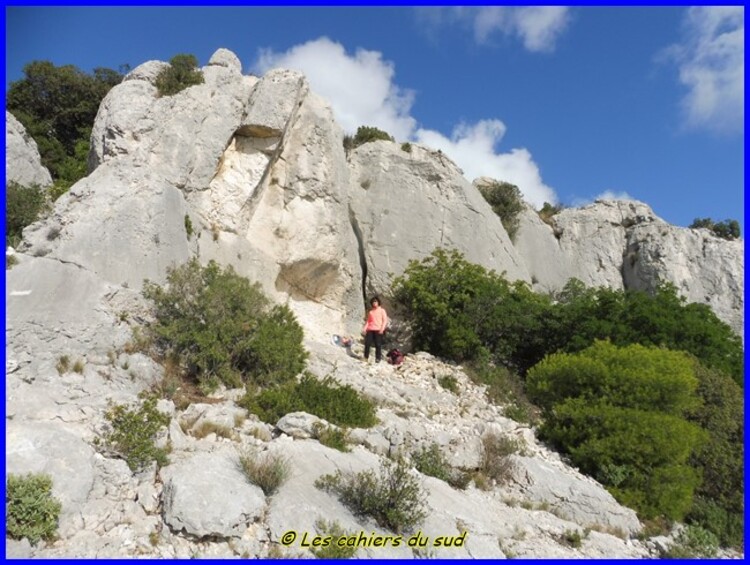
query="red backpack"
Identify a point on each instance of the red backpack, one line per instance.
(395, 357)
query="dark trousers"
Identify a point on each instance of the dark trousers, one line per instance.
(374, 338)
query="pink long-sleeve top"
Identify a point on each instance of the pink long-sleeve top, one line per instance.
(377, 320)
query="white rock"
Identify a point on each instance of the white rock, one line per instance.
(23, 164)
(208, 495)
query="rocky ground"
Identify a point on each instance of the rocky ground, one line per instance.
(201, 504)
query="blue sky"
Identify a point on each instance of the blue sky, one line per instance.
(568, 103)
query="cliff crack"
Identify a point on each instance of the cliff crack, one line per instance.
(361, 250)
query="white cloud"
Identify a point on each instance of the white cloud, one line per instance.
(711, 63)
(362, 91)
(359, 87)
(538, 27)
(613, 195)
(473, 148)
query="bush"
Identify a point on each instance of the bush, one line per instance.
(431, 461)
(693, 542)
(406, 146)
(340, 405)
(449, 383)
(367, 134)
(335, 438)
(57, 106)
(662, 319)
(620, 415)
(267, 472)
(133, 432)
(719, 505)
(728, 229)
(30, 509)
(548, 211)
(463, 312)
(394, 498)
(181, 74)
(635, 376)
(223, 329)
(333, 550)
(506, 202)
(23, 206)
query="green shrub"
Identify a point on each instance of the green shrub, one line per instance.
(662, 319)
(181, 74)
(30, 509)
(572, 538)
(23, 206)
(188, 226)
(728, 229)
(635, 376)
(449, 383)
(267, 472)
(619, 413)
(462, 311)
(548, 211)
(719, 506)
(366, 134)
(340, 405)
(506, 202)
(223, 329)
(641, 456)
(693, 542)
(431, 461)
(333, 550)
(133, 431)
(10, 261)
(335, 438)
(394, 498)
(406, 146)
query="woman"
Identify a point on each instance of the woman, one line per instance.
(377, 321)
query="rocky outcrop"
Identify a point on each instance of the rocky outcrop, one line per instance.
(23, 164)
(622, 244)
(406, 204)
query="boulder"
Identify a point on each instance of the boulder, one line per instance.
(208, 495)
(572, 496)
(23, 164)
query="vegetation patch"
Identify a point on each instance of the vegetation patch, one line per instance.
(495, 462)
(429, 460)
(618, 414)
(728, 229)
(133, 432)
(394, 498)
(30, 509)
(333, 550)
(333, 437)
(327, 399)
(693, 542)
(23, 206)
(267, 471)
(506, 202)
(449, 383)
(223, 329)
(182, 73)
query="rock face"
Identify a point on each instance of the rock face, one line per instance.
(22, 162)
(405, 204)
(622, 244)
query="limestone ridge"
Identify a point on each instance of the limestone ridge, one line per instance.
(624, 245)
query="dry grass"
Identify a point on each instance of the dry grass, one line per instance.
(268, 471)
